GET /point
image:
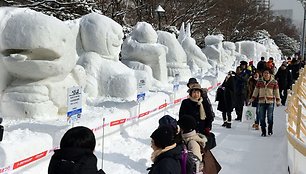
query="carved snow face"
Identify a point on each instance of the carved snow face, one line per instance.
(37, 46)
(102, 35)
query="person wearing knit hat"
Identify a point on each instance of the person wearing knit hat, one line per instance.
(166, 154)
(198, 108)
(167, 120)
(163, 137)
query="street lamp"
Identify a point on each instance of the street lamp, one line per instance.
(303, 34)
(159, 10)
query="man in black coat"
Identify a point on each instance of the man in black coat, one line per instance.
(284, 79)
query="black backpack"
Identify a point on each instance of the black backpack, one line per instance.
(190, 163)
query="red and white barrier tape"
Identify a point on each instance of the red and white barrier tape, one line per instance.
(45, 153)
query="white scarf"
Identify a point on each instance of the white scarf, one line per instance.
(202, 111)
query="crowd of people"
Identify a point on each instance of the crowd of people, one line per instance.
(261, 87)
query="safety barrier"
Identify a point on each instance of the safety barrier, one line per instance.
(296, 129)
(39, 156)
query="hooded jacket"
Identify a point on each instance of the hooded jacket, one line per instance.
(73, 161)
(167, 162)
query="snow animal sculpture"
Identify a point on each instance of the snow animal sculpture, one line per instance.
(39, 52)
(142, 46)
(215, 51)
(230, 50)
(196, 59)
(176, 56)
(101, 39)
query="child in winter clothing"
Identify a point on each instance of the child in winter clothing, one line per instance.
(195, 142)
(75, 155)
(251, 86)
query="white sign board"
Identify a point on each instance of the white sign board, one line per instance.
(74, 101)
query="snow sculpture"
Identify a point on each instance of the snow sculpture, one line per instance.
(251, 49)
(101, 39)
(142, 46)
(176, 56)
(216, 53)
(230, 49)
(196, 59)
(39, 52)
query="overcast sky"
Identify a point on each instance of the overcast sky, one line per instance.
(290, 4)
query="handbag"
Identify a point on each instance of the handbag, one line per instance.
(211, 141)
(249, 113)
(211, 165)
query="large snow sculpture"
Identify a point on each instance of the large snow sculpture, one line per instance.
(39, 52)
(196, 59)
(176, 56)
(230, 49)
(251, 49)
(101, 39)
(142, 46)
(215, 51)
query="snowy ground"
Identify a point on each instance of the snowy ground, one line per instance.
(240, 150)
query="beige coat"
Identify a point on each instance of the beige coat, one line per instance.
(194, 142)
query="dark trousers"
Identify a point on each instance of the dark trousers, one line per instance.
(283, 95)
(238, 110)
(227, 116)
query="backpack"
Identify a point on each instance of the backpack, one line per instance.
(190, 163)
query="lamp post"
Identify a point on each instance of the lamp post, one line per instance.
(159, 10)
(303, 33)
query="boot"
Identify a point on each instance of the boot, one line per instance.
(229, 125)
(256, 127)
(263, 132)
(270, 129)
(224, 124)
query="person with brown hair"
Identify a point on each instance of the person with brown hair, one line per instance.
(194, 106)
(267, 91)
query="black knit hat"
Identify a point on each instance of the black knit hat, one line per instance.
(187, 123)
(163, 136)
(167, 120)
(191, 81)
(243, 62)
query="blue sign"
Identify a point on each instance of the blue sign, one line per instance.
(176, 87)
(74, 112)
(141, 96)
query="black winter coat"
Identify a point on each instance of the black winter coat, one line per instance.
(73, 161)
(189, 107)
(284, 78)
(226, 93)
(168, 162)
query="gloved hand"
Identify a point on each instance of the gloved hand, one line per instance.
(249, 103)
(207, 131)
